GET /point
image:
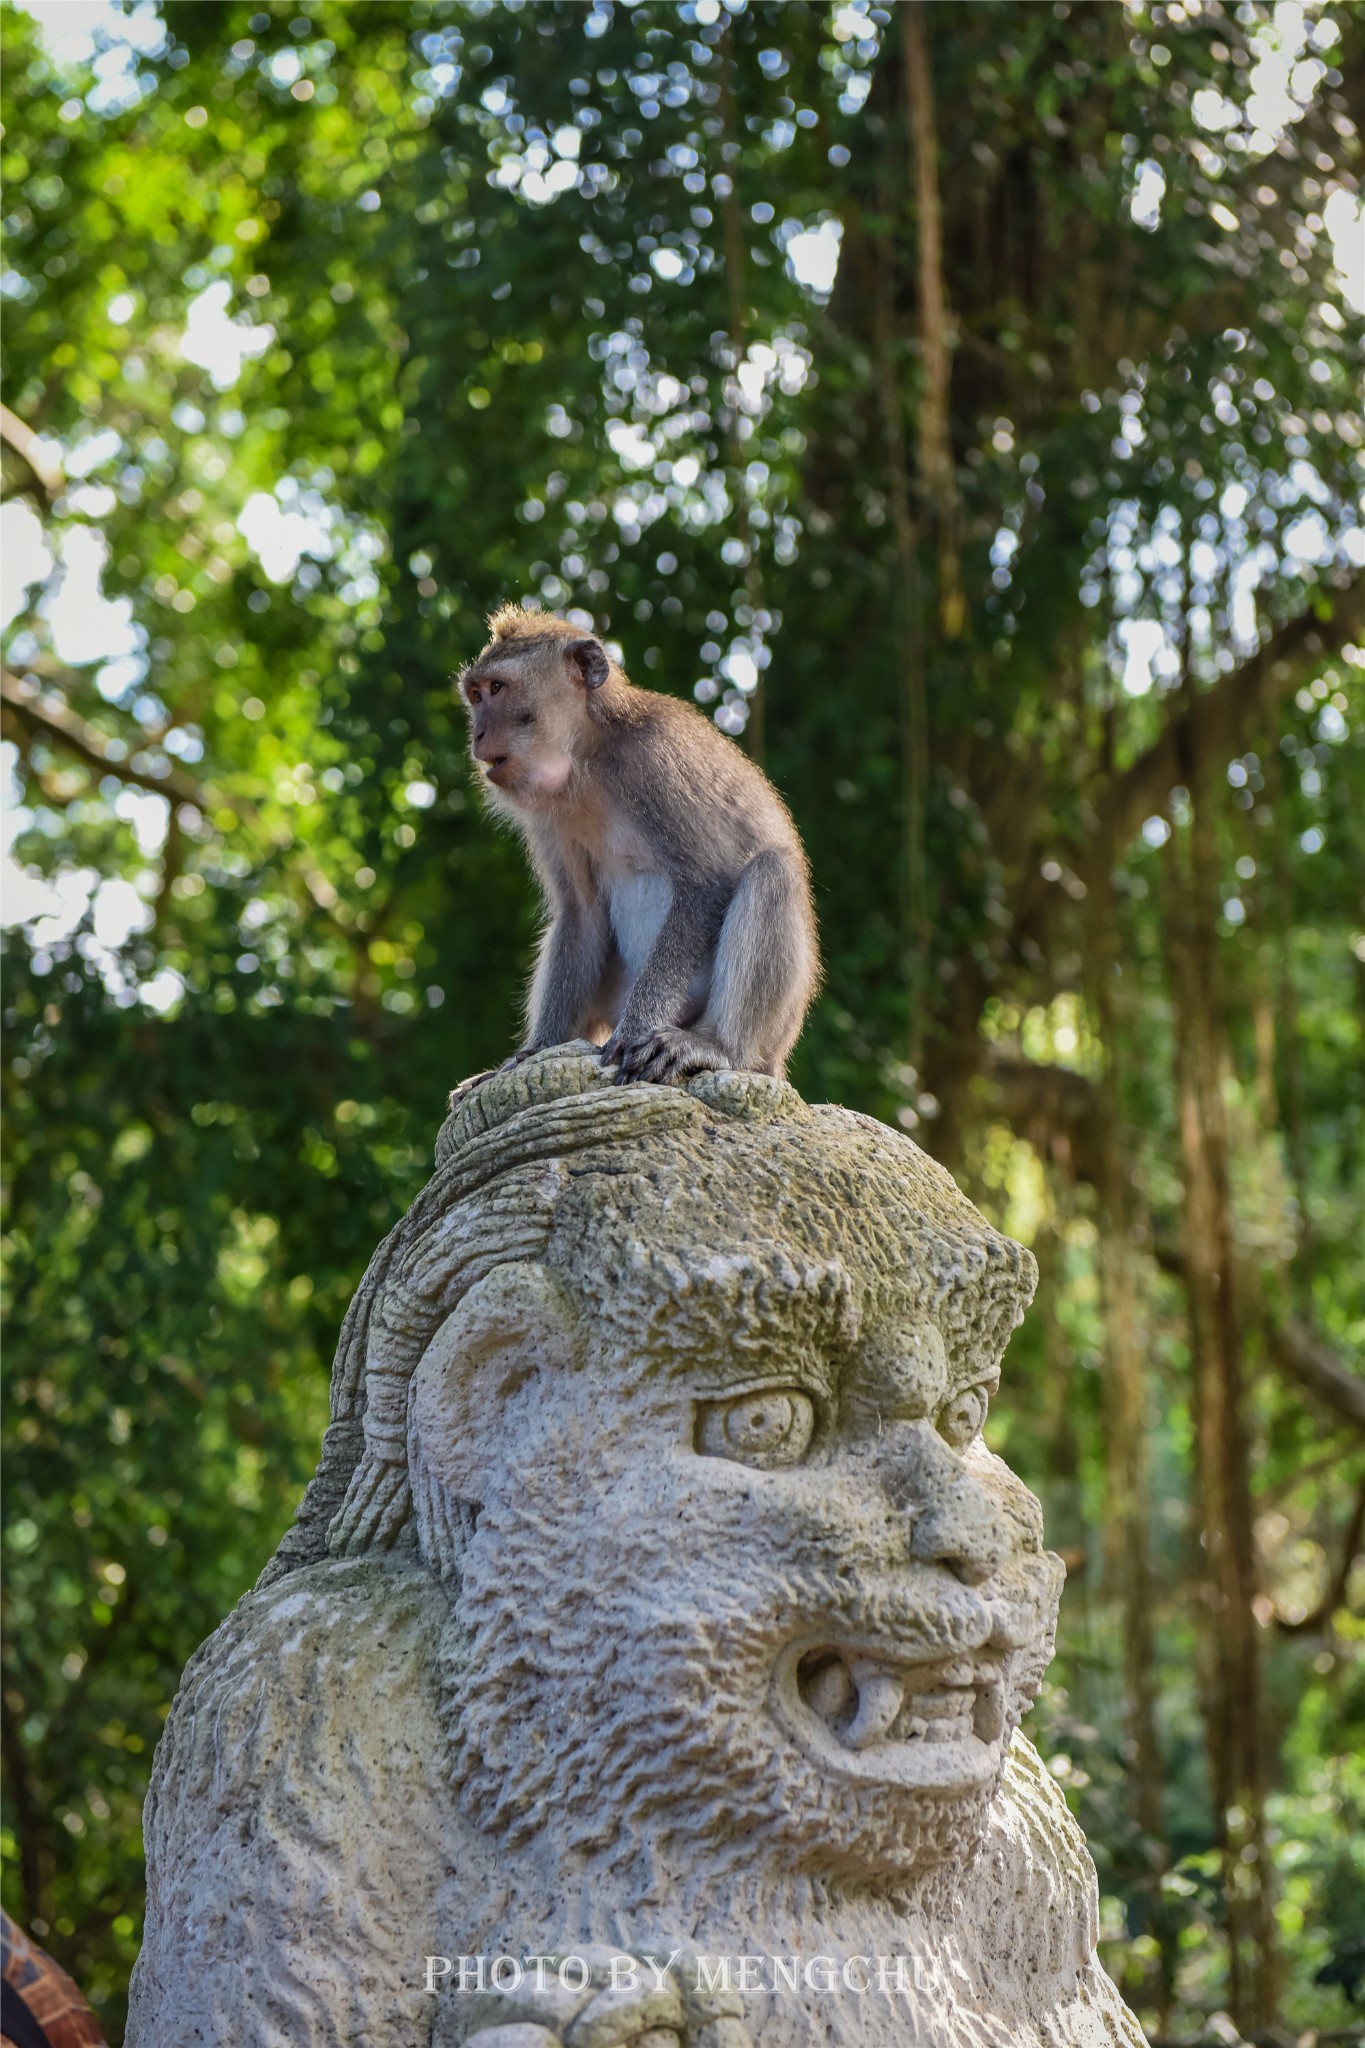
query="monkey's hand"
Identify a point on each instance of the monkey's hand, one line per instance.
(646, 2002)
(667, 1054)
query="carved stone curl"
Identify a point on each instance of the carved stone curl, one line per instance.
(655, 1597)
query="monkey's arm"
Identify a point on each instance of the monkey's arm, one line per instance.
(570, 968)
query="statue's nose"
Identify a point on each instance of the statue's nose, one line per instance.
(953, 1520)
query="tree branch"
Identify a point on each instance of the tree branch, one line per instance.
(58, 721)
(1301, 1353)
(1047, 1105)
(1043, 1103)
(1335, 1594)
(1227, 713)
(45, 470)
(54, 718)
(97, 1656)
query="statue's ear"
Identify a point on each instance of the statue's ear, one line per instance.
(588, 657)
(481, 1380)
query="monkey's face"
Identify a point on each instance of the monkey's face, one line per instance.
(527, 708)
(518, 732)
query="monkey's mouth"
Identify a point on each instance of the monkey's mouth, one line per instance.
(933, 1722)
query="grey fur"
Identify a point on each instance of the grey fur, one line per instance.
(681, 930)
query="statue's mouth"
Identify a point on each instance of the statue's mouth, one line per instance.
(931, 1722)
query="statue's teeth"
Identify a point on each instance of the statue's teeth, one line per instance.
(949, 1731)
(830, 1691)
(944, 1704)
(988, 1722)
(863, 1702)
(880, 1698)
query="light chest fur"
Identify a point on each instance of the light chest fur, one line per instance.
(637, 903)
(634, 890)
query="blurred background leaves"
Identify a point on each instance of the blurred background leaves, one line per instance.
(962, 404)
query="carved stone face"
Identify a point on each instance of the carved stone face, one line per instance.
(743, 1579)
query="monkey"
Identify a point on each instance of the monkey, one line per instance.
(680, 931)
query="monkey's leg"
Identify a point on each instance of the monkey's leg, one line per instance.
(766, 966)
(651, 1043)
(608, 1001)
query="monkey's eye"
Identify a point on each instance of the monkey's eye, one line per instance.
(474, 696)
(768, 1429)
(493, 689)
(963, 1415)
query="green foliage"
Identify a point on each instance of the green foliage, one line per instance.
(508, 300)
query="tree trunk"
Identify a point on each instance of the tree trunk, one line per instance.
(32, 1821)
(732, 230)
(1285, 1067)
(1232, 1690)
(1128, 1502)
(914, 718)
(938, 475)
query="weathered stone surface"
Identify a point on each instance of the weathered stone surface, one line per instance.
(655, 1597)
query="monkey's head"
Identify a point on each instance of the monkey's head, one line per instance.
(528, 698)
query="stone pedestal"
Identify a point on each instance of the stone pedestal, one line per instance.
(656, 1612)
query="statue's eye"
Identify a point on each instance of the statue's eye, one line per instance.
(962, 1417)
(767, 1429)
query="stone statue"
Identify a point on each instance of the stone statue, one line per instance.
(656, 1611)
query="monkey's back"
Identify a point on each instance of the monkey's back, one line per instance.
(689, 787)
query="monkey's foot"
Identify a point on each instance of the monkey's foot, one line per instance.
(523, 1052)
(666, 1055)
(457, 1095)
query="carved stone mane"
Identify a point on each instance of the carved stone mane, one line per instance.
(654, 1593)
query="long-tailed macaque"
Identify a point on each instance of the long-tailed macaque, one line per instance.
(681, 932)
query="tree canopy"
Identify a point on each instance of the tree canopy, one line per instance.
(962, 403)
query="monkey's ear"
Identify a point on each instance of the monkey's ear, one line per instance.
(589, 658)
